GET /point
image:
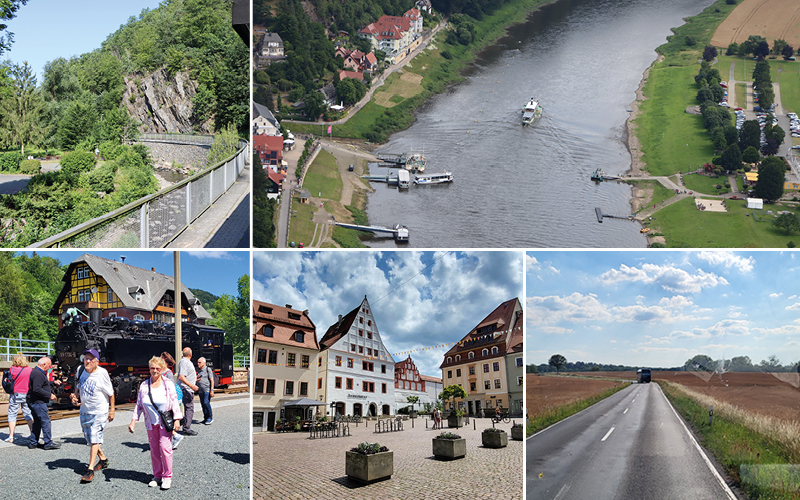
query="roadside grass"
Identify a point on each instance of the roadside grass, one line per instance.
(741, 97)
(758, 452)
(554, 415)
(686, 227)
(301, 228)
(740, 184)
(705, 184)
(323, 177)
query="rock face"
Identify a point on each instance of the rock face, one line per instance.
(162, 104)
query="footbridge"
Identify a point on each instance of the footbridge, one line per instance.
(400, 233)
(157, 219)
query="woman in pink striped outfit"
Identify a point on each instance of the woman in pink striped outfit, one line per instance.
(166, 399)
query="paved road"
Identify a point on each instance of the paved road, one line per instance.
(631, 445)
(213, 464)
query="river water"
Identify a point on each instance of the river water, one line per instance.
(524, 187)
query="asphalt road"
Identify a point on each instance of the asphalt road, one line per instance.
(629, 446)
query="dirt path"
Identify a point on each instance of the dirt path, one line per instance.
(634, 146)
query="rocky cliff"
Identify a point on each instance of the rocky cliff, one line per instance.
(163, 104)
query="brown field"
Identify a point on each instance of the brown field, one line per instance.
(771, 394)
(545, 392)
(771, 19)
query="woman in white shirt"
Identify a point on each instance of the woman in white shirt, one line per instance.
(166, 399)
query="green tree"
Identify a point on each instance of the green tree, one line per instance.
(8, 10)
(749, 135)
(22, 111)
(76, 125)
(751, 155)
(701, 362)
(263, 208)
(771, 176)
(226, 143)
(732, 158)
(413, 400)
(741, 364)
(787, 222)
(315, 105)
(558, 362)
(451, 393)
(232, 314)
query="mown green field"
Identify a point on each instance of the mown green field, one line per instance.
(323, 177)
(704, 184)
(684, 226)
(301, 227)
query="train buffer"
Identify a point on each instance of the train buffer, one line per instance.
(399, 232)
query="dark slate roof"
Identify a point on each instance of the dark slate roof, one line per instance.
(261, 110)
(329, 91)
(339, 329)
(126, 280)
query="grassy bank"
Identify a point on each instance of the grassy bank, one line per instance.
(323, 177)
(554, 415)
(758, 452)
(375, 122)
(672, 139)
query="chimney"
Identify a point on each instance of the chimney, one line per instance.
(288, 306)
(123, 258)
(153, 269)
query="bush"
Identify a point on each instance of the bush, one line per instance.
(448, 435)
(76, 162)
(10, 161)
(447, 55)
(109, 150)
(493, 429)
(32, 167)
(690, 41)
(369, 448)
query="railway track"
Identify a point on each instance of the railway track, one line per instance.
(59, 413)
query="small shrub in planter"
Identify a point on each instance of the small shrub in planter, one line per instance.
(449, 446)
(369, 462)
(516, 432)
(494, 438)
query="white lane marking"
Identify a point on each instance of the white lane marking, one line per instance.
(634, 400)
(561, 492)
(626, 411)
(607, 434)
(722, 483)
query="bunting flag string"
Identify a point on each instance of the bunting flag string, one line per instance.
(461, 343)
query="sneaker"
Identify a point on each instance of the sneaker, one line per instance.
(9, 439)
(52, 446)
(208, 422)
(166, 483)
(189, 432)
(87, 478)
(153, 483)
(33, 445)
(176, 440)
(102, 464)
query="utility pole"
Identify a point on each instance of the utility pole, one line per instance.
(178, 317)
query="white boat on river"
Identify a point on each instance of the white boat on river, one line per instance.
(440, 178)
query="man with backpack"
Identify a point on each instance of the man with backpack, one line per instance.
(95, 395)
(205, 385)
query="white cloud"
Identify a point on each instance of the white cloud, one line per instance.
(676, 302)
(576, 307)
(728, 260)
(212, 254)
(774, 295)
(531, 264)
(793, 307)
(557, 330)
(652, 340)
(780, 330)
(613, 341)
(724, 327)
(667, 277)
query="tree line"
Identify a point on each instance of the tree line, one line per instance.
(701, 362)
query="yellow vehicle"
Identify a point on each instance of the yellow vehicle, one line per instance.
(645, 230)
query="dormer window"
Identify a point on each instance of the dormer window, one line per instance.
(449, 359)
(265, 310)
(495, 350)
(294, 316)
(268, 330)
(485, 352)
(458, 357)
(299, 336)
(471, 355)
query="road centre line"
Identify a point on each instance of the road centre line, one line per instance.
(562, 491)
(626, 411)
(571, 416)
(722, 483)
(607, 434)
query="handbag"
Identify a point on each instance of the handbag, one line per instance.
(166, 416)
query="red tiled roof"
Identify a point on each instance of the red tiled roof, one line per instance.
(371, 59)
(430, 379)
(284, 327)
(268, 142)
(504, 317)
(388, 27)
(351, 74)
(274, 176)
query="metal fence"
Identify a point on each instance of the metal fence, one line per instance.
(241, 361)
(203, 140)
(33, 349)
(153, 221)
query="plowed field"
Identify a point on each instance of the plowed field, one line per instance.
(768, 18)
(545, 392)
(773, 394)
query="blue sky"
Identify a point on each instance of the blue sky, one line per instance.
(45, 30)
(213, 271)
(432, 306)
(660, 308)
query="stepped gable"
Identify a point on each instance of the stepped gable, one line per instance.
(163, 104)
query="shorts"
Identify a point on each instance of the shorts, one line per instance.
(17, 401)
(93, 426)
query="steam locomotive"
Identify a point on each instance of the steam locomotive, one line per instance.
(125, 347)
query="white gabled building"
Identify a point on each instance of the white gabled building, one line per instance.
(356, 372)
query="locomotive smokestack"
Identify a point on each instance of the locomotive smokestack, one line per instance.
(153, 269)
(123, 258)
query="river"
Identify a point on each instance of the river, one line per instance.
(524, 187)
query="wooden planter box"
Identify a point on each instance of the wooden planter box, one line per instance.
(494, 439)
(449, 448)
(516, 433)
(369, 468)
(454, 421)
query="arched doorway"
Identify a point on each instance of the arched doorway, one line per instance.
(386, 410)
(373, 410)
(340, 408)
(357, 409)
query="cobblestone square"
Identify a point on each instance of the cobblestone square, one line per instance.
(290, 465)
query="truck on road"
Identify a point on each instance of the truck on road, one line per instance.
(643, 375)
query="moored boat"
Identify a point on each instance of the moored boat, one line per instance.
(440, 178)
